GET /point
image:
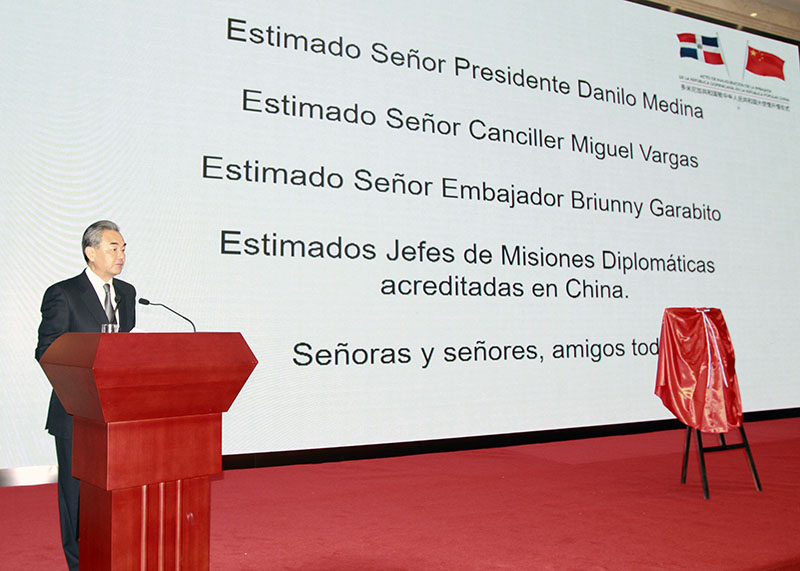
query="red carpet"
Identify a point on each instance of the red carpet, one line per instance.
(606, 503)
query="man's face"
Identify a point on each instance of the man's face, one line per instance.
(108, 259)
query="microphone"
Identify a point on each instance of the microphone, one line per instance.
(144, 301)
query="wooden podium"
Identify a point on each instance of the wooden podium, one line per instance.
(147, 411)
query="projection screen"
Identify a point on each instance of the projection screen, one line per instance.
(428, 219)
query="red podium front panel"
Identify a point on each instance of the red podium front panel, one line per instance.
(147, 411)
(157, 526)
(696, 378)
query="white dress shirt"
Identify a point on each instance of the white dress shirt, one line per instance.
(98, 283)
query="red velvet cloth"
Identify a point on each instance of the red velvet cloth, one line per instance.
(696, 377)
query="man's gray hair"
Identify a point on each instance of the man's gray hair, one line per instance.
(93, 235)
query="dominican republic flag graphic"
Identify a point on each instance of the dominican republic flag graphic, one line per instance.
(764, 63)
(693, 45)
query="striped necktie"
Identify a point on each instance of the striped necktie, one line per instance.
(108, 306)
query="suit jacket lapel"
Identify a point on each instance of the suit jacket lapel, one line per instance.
(92, 302)
(122, 311)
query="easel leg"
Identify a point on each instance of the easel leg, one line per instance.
(702, 459)
(750, 459)
(686, 454)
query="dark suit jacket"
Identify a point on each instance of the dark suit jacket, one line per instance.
(73, 305)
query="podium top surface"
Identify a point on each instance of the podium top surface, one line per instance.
(112, 377)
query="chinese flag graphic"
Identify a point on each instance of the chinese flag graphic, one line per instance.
(764, 63)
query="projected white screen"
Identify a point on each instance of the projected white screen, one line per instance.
(428, 220)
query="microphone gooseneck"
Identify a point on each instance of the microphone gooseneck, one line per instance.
(144, 301)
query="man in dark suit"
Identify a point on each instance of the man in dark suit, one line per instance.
(83, 304)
